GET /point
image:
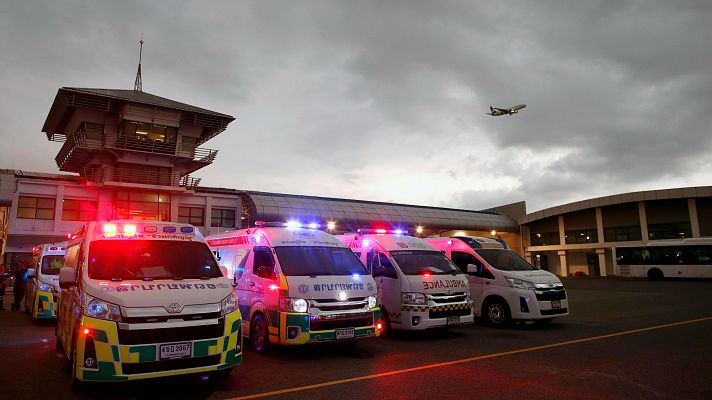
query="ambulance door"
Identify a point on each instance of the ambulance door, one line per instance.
(477, 282)
(387, 283)
(240, 277)
(70, 301)
(263, 276)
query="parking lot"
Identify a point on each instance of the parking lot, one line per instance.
(623, 339)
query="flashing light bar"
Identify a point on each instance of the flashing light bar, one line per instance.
(169, 229)
(130, 230)
(381, 231)
(293, 224)
(109, 229)
(150, 229)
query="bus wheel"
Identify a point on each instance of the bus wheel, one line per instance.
(655, 274)
(496, 312)
(259, 335)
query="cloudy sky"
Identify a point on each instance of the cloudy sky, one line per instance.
(386, 100)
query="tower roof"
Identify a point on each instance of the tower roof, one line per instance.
(113, 99)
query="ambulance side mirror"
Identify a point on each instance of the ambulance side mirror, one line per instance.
(67, 277)
(31, 273)
(473, 269)
(223, 269)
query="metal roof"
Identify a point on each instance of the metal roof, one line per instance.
(360, 213)
(633, 197)
(140, 97)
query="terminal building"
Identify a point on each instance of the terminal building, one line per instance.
(128, 154)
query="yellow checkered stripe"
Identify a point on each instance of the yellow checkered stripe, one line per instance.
(410, 308)
(446, 307)
(451, 307)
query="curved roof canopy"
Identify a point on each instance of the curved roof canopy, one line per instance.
(359, 213)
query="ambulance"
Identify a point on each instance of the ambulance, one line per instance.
(418, 287)
(504, 286)
(43, 281)
(145, 299)
(297, 285)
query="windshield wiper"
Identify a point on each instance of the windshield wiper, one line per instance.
(177, 278)
(117, 279)
(147, 278)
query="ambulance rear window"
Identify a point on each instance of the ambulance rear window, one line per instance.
(151, 259)
(52, 264)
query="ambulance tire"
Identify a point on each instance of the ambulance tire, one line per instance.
(77, 384)
(387, 331)
(259, 334)
(495, 312)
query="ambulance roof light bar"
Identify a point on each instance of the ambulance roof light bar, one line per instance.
(381, 231)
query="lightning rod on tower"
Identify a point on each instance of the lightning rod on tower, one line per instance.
(138, 84)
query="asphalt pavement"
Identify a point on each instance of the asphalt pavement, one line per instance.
(624, 339)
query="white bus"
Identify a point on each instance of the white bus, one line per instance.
(685, 258)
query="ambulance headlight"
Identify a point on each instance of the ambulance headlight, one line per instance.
(229, 304)
(371, 301)
(43, 287)
(290, 304)
(96, 308)
(520, 284)
(413, 298)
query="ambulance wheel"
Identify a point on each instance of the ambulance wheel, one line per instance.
(259, 335)
(387, 330)
(496, 312)
(77, 384)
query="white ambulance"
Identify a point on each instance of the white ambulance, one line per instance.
(43, 281)
(297, 285)
(418, 287)
(504, 286)
(144, 299)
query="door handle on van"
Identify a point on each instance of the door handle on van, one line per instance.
(252, 284)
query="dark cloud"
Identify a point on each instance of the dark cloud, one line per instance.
(386, 100)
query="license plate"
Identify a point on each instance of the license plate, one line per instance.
(556, 304)
(176, 350)
(345, 333)
(453, 320)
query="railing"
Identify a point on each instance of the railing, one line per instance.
(81, 140)
(127, 175)
(158, 147)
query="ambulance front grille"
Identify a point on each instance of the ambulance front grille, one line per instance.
(328, 322)
(172, 334)
(165, 318)
(354, 303)
(442, 298)
(551, 294)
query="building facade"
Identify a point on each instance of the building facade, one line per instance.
(578, 238)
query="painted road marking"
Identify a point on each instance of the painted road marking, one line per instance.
(465, 360)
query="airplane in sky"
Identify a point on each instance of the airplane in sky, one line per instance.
(496, 112)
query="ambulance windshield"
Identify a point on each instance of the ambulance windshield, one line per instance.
(316, 260)
(416, 262)
(52, 264)
(118, 260)
(505, 260)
